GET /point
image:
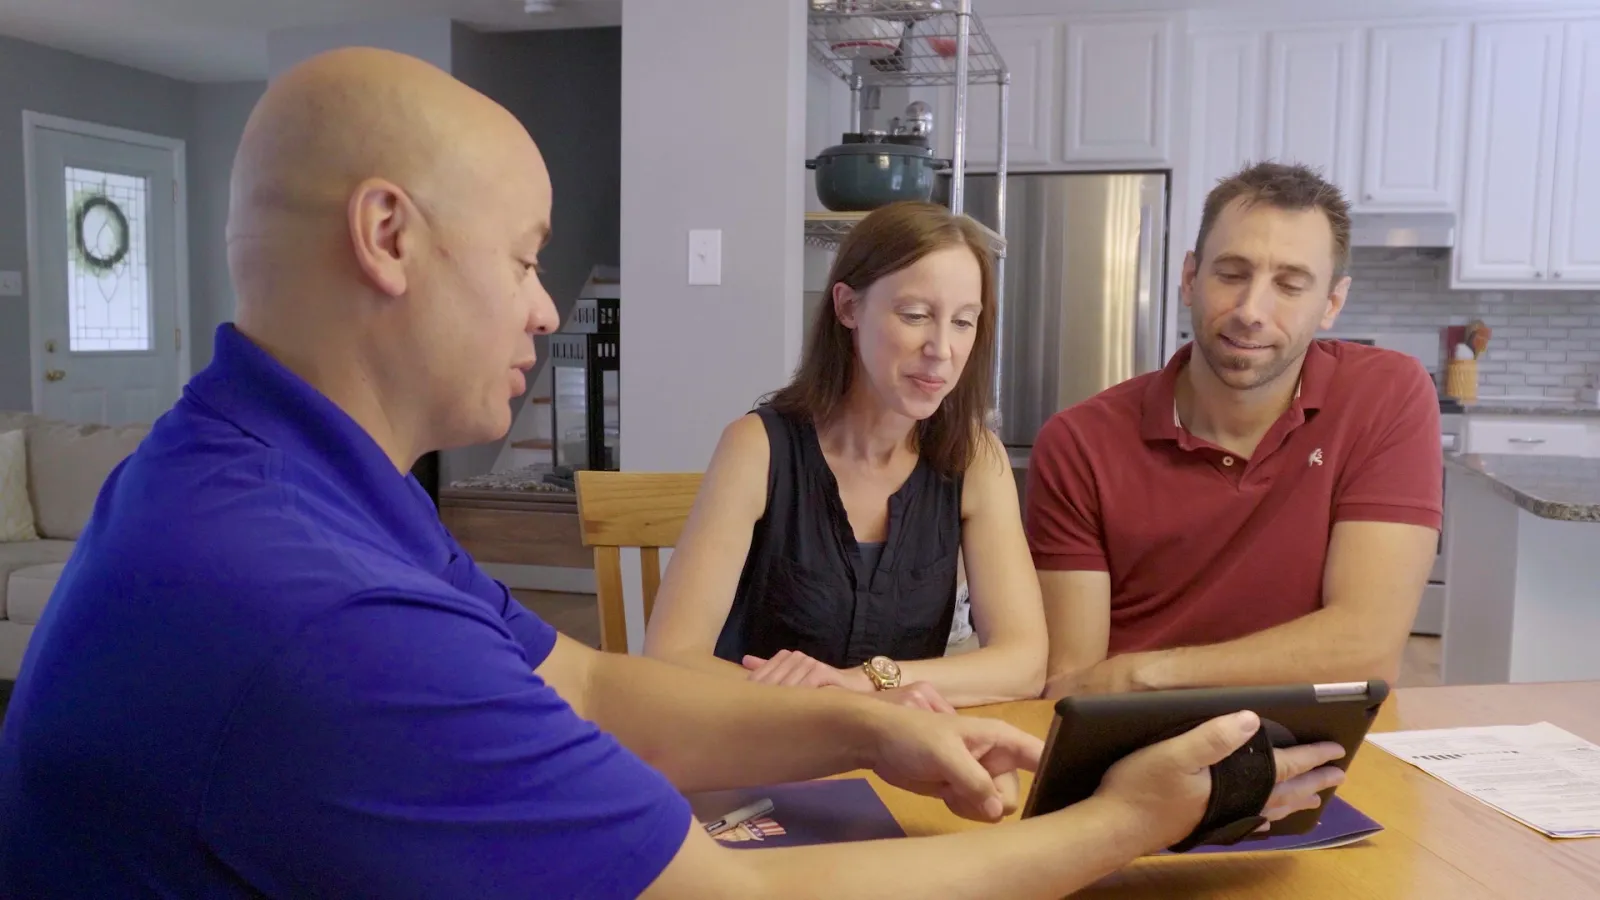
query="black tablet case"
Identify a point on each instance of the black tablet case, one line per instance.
(1090, 734)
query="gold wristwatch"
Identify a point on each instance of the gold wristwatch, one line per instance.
(883, 672)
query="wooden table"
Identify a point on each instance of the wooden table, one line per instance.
(1437, 843)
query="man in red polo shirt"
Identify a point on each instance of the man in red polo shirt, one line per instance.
(1266, 508)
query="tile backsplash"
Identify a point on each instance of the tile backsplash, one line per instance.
(1545, 343)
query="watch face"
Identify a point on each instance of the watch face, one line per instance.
(885, 668)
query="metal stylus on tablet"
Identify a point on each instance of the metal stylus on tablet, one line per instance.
(740, 816)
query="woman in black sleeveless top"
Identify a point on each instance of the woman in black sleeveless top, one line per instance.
(823, 547)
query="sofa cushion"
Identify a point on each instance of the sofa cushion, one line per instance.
(16, 510)
(67, 464)
(29, 591)
(26, 555)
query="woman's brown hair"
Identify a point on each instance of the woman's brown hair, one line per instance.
(889, 239)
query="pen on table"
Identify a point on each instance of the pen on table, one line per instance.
(739, 816)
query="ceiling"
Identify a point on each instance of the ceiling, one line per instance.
(226, 40)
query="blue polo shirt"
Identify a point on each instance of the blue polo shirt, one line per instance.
(268, 670)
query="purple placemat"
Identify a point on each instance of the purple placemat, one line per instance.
(807, 812)
(1340, 824)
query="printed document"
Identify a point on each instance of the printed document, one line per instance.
(1541, 775)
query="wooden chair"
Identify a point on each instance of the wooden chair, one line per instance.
(630, 509)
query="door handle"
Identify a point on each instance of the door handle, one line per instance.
(1526, 440)
(54, 375)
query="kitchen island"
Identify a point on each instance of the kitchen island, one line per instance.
(1522, 537)
(516, 518)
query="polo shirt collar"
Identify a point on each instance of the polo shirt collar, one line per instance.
(1315, 375)
(247, 387)
(1159, 418)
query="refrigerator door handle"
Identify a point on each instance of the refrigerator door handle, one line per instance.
(1147, 305)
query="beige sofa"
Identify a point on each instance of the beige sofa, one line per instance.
(66, 465)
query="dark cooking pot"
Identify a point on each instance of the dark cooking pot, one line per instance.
(870, 172)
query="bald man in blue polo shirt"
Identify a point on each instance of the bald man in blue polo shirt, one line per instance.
(269, 671)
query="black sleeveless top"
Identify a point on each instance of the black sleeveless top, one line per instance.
(807, 585)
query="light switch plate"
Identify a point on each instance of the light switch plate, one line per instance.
(10, 284)
(705, 256)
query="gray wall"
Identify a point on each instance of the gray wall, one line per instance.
(577, 127)
(219, 114)
(427, 38)
(1545, 343)
(713, 136)
(64, 84)
(566, 89)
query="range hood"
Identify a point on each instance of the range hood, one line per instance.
(1403, 229)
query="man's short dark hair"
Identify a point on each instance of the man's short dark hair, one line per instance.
(1284, 186)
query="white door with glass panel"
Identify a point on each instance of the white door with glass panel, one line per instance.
(107, 288)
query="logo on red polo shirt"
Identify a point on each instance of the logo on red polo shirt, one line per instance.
(1316, 458)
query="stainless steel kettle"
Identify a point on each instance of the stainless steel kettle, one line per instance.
(916, 122)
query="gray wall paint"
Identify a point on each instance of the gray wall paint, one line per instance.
(220, 111)
(577, 127)
(426, 38)
(566, 89)
(713, 136)
(51, 81)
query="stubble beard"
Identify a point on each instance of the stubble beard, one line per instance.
(1237, 371)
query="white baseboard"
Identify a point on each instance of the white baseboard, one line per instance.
(542, 578)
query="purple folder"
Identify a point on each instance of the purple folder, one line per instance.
(806, 812)
(1341, 824)
(836, 811)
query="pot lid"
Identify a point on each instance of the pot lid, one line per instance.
(875, 148)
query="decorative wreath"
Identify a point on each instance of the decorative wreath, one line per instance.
(118, 223)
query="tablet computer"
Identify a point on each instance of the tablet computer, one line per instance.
(1090, 734)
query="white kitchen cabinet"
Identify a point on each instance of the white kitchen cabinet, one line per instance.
(1530, 155)
(1532, 435)
(1116, 85)
(1224, 97)
(1528, 436)
(1382, 123)
(1415, 91)
(1028, 45)
(1575, 231)
(1312, 101)
(1511, 132)
(1224, 113)
(1086, 92)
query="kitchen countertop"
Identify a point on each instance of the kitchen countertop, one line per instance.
(1565, 488)
(1507, 406)
(527, 479)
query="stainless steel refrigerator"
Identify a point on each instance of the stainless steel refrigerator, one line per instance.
(1084, 305)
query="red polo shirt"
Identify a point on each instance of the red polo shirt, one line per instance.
(1205, 546)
